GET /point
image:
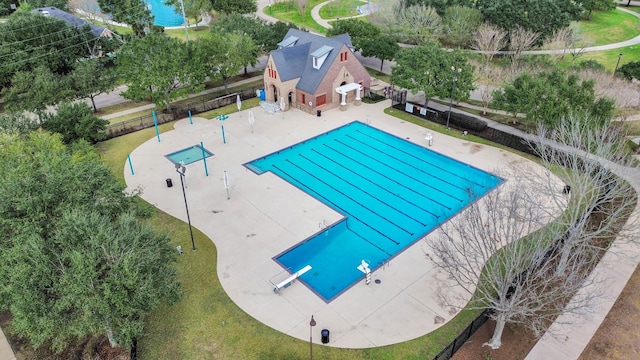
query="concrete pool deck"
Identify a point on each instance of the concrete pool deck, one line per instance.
(266, 215)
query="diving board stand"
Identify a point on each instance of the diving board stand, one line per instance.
(277, 286)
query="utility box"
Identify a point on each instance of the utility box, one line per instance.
(169, 182)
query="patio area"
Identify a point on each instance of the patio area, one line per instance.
(265, 215)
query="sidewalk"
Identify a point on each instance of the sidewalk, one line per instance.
(153, 106)
(5, 350)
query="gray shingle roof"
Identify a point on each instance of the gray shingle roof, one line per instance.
(296, 61)
(71, 20)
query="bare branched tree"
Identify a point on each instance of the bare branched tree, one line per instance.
(560, 41)
(624, 92)
(521, 39)
(599, 200)
(499, 250)
(577, 44)
(302, 6)
(489, 79)
(488, 39)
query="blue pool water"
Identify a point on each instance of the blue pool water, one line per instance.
(392, 192)
(188, 155)
(164, 15)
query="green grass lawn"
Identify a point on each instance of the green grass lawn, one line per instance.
(288, 11)
(200, 32)
(192, 328)
(340, 9)
(609, 27)
(608, 58)
(379, 75)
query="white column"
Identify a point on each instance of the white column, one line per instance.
(358, 93)
(344, 99)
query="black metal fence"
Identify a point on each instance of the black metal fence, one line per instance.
(457, 343)
(177, 112)
(463, 122)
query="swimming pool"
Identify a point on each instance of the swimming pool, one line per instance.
(392, 192)
(188, 155)
(164, 15)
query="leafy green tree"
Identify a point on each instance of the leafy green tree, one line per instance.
(540, 16)
(434, 71)
(91, 78)
(134, 13)
(5, 7)
(75, 121)
(460, 24)
(418, 24)
(277, 32)
(629, 70)
(547, 97)
(17, 123)
(253, 26)
(225, 54)
(598, 5)
(589, 64)
(160, 68)
(34, 91)
(29, 40)
(60, 4)
(358, 30)
(265, 36)
(440, 5)
(74, 262)
(235, 6)
(382, 47)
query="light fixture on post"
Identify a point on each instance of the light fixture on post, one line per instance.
(617, 63)
(182, 170)
(456, 72)
(186, 22)
(312, 323)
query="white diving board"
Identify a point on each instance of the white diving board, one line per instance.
(288, 281)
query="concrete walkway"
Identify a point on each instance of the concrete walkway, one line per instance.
(266, 215)
(6, 353)
(153, 106)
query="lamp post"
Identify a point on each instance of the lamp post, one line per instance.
(426, 103)
(181, 169)
(312, 323)
(617, 63)
(186, 22)
(456, 72)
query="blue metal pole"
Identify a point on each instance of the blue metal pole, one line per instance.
(204, 158)
(224, 140)
(155, 123)
(190, 119)
(130, 164)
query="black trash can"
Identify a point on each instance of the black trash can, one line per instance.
(169, 182)
(325, 336)
(319, 113)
